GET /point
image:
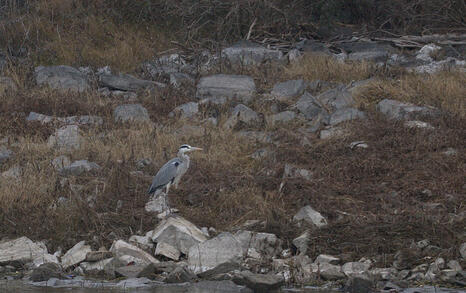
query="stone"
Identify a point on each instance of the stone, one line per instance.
(294, 55)
(105, 267)
(352, 269)
(291, 171)
(178, 79)
(167, 65)
(281, 117)
(45, 258)
(131, 113)
(418, 124)
(260, 283)
(20, 250)
(187, 110)
(46, 271)
(310, 216)
(454, 265)
(65, 138)
(125, 82)
(61, 77)
(75, 255)
(346, 114)
(143, 242)
(462, 250)
(397, 110)
(309, 106)
(332, 132)
(266, 244)
(157, 204)
(325, 258)
(180, 275)
(302, 242)
(131, 271)
(330, 272)
(127, 253)
(359, 284)
(7, 84)
(79, 167)
(423, 243)
(93, 256)
(167, 250)
(337, 98)
(287, 90)
(5, 154)
(14, 172)
(241, 114)
(179, 233)
(385, 274)
(216, 254)
(426, 52)
(367, 51)
(237, 87)
(71, 120)
(359, 144)
(249, 53)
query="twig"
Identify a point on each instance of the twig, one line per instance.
(250, 28)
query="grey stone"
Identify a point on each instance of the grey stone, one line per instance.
(241, 114)
(325, 258)
(385, 274)
(426, 52)
(248, 53)
(61, 77)
(75, 255)
(167, 65)
(259, 282)
(7, 84)
(352, 269)
(187, 110)
(397, 110)
(179, 233)
(332, 132)
(302, 242)
(130, 253)
(284, 91)
(423, 243)
(346, 114)
(309, 215)
(180, 275)
(462, 250)
(367, 51)
(167, 250)
(132, 271)
(79, 167)
(291, 171)
(281, 117)
(66, 138)
(309, 106)
(21, 250)
(93, 256)
(5, 154)
(266, 244)
(61, 162)
(336, 98)
(46, 271)
(211, 254)
(143, 242)
(454, 265)
(45, 258)
(157, 204)
(330, 272)
(105, 267)
(125, 82)
(14, 172)
(178, 79)
(238, 87)
(131, 112)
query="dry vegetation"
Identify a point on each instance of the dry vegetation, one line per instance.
(376, 200)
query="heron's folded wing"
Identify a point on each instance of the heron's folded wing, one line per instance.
(166, 174)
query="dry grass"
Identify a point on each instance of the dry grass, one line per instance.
(313, 66)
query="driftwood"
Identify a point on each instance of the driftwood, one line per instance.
(419, 41)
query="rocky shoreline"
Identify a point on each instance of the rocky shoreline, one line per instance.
(242, 259)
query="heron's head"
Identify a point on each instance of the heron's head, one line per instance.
(186, 148)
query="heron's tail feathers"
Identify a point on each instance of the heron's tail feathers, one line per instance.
(152, 190)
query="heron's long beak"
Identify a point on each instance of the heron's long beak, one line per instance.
(196, 149)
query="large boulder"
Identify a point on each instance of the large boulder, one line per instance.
(179, 233)
(336, 98)
(398, 110)
(75, 255)
(217, 255)
(346, 114)
(21, 250)
(105, 267)
(238, 87)
(241, 114)
(249, 53)
(309, 106)
(129, 253)
(61, 77)
(66, 138)
(131, 113)
(310, 216)
(125, 82)
(266, 244)
(287, 90)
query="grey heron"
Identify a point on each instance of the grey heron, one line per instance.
(172, 171)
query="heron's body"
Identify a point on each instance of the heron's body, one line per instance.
(172, 171)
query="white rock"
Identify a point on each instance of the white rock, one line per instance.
(167, 250)
(75, 255)
(325, 258)
(125, 251)
(46, 258)
(351, 269)
(311, 216)
(21, 249)
(66, 137)
(142, 241)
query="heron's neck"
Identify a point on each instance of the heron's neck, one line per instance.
(184, 157)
